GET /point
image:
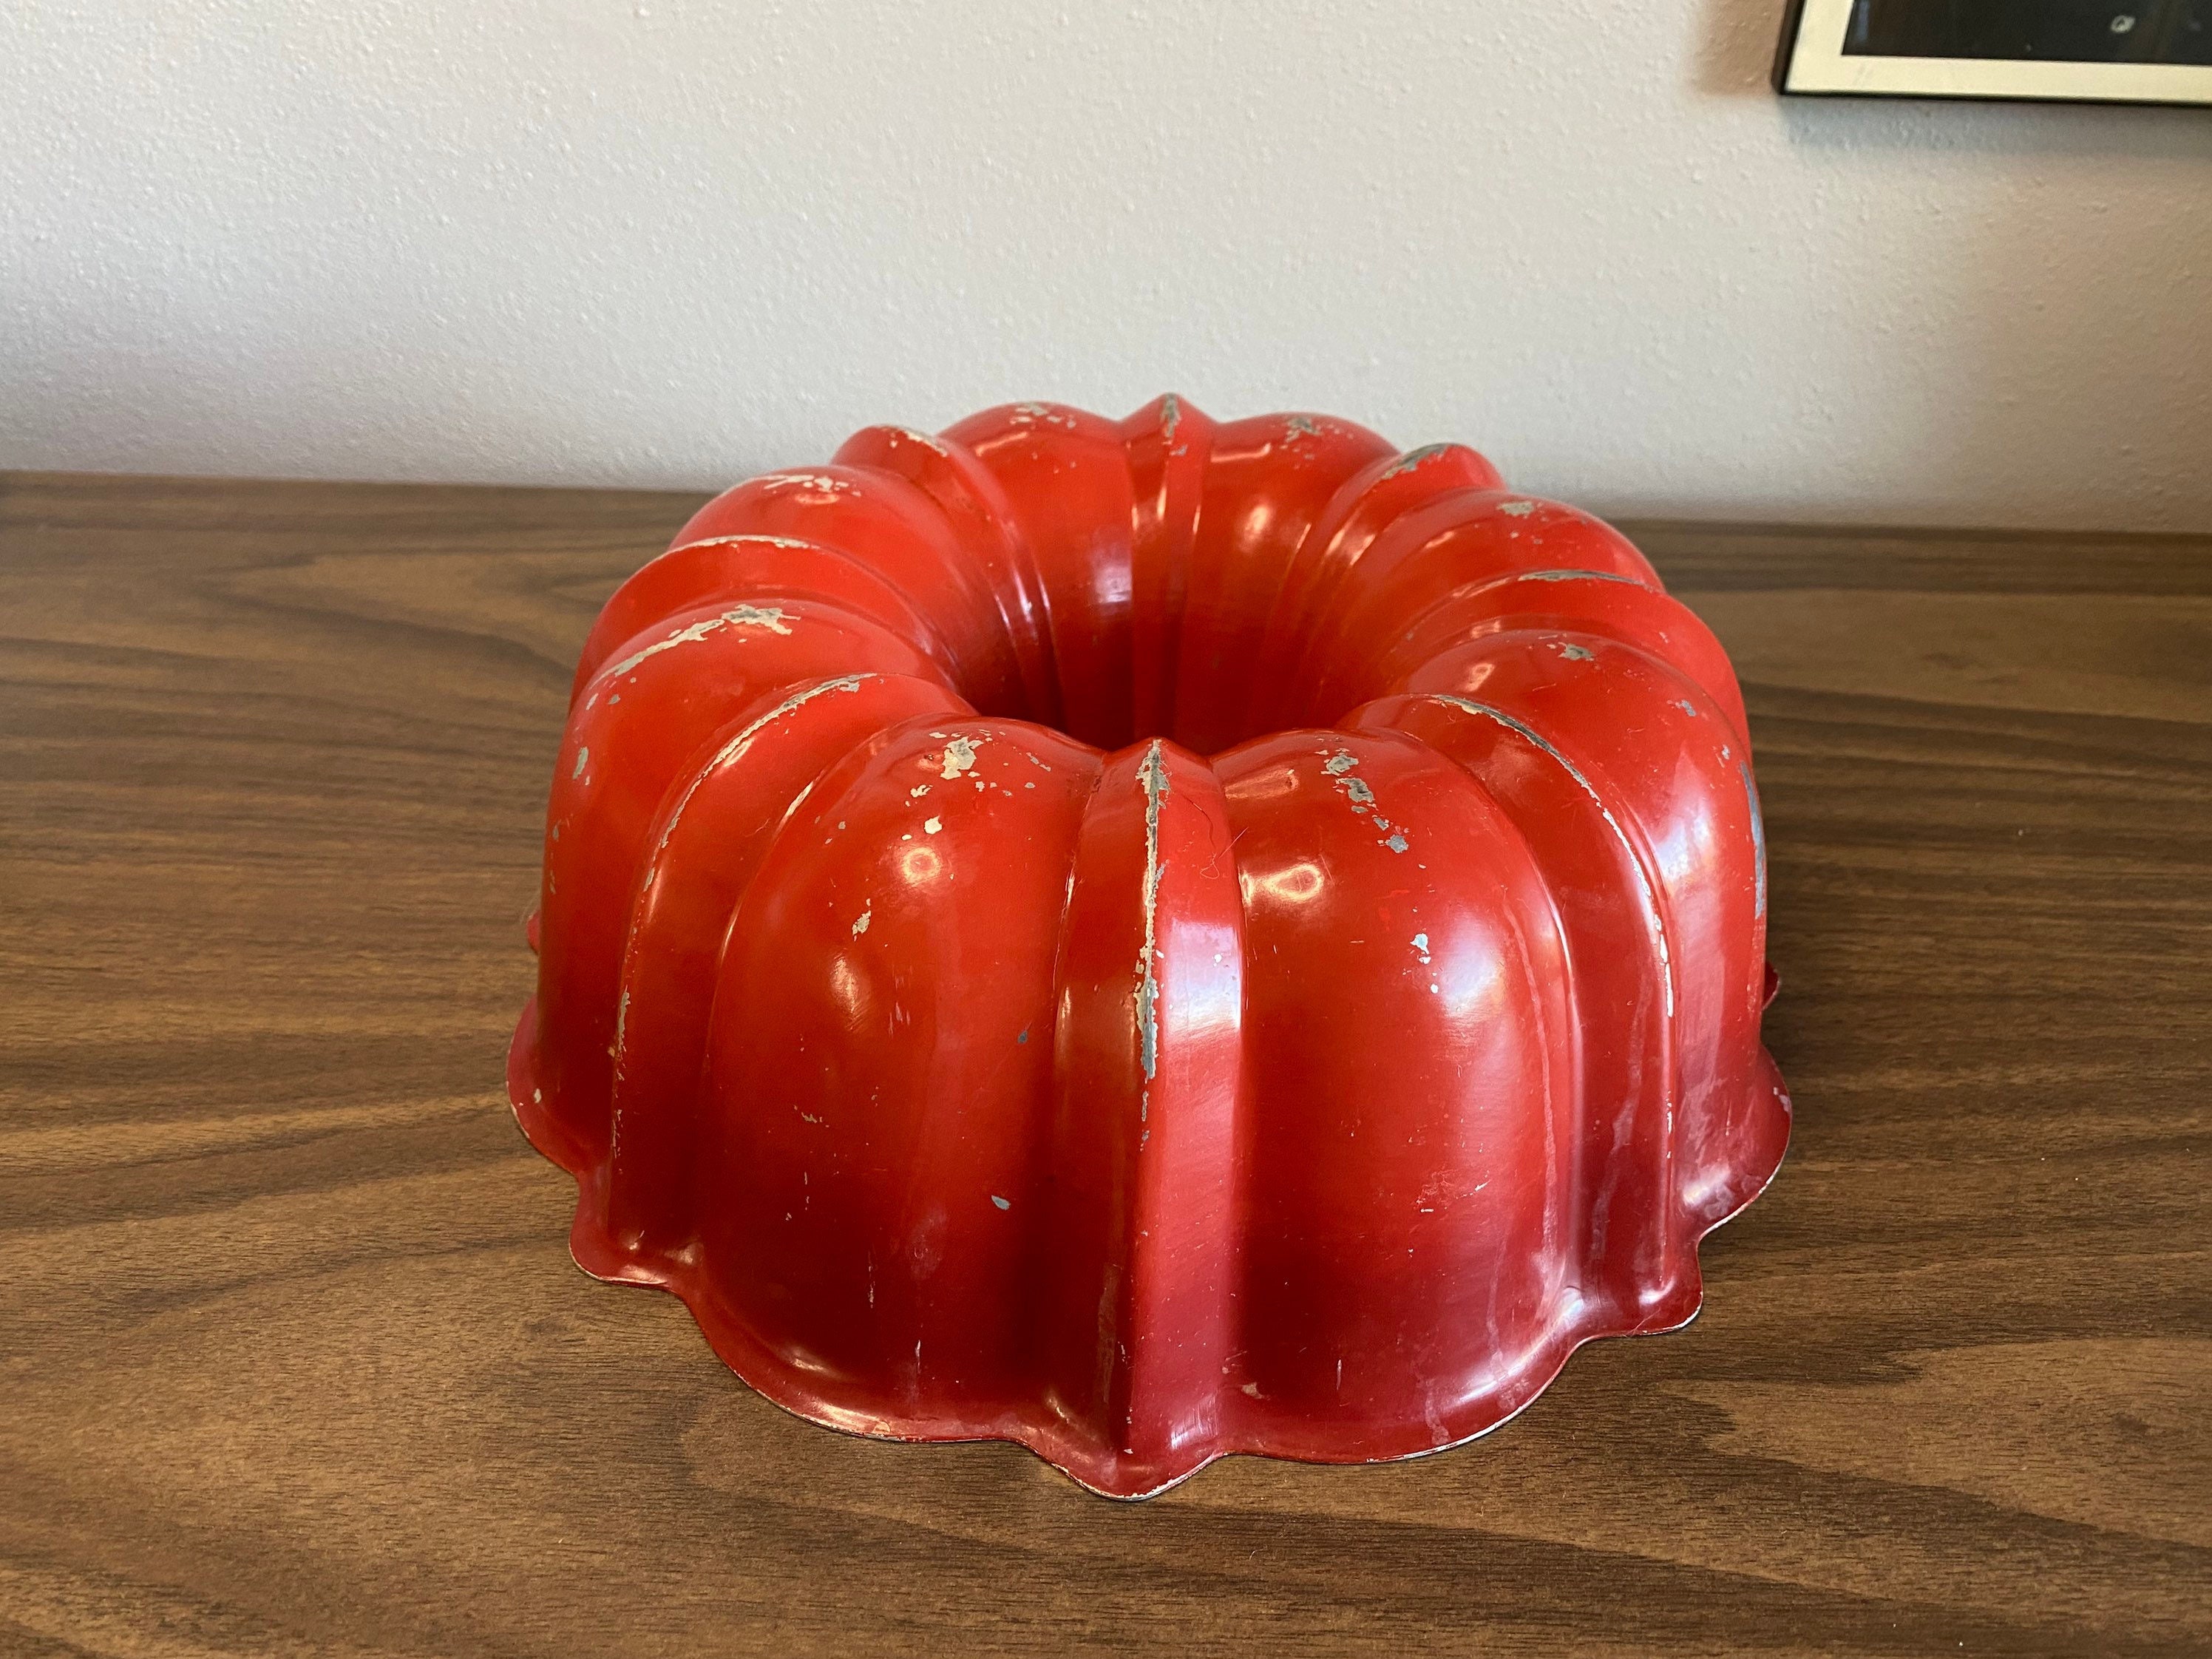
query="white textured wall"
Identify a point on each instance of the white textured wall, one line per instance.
(675, 242)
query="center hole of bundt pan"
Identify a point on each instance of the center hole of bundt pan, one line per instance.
(1374, 1021)
(1161, 576)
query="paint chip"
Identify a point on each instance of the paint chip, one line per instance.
(959, 756)
(1152, 780)
(1413, 458)
(743, 616)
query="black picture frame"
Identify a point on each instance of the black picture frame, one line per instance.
(2104, 51)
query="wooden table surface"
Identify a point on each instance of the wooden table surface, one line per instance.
(293, 1359)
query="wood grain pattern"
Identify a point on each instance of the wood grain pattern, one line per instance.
(293, 1360)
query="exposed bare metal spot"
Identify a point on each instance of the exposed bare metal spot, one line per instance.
(743, 616)
(907, 433)
(1170, 416)
(1758, 835)
(1572, 575)
(1577, 653)
(743, 538)
(1636, 864)
(1003, 1203)
(1300, 425)
(821, 481)
(1413, 458)
(1356, 791)
(1687, 708)
(1152, 778)
(1517, 509)
(583, 759)
(753, 616)
(866, 916)
(736, 746)
(1421, 945)
(960, 756)
(760, 538)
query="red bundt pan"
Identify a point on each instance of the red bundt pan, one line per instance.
(1153, 939)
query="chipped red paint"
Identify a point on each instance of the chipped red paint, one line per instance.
(1153, 939)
